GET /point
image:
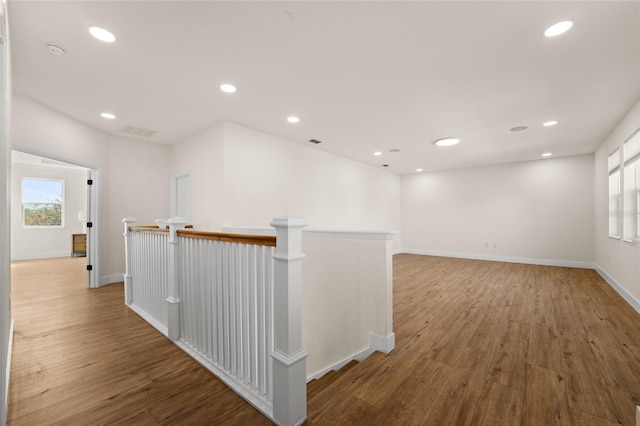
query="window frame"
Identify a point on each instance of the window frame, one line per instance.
(62, 204)
(616, 213)
(631, 159)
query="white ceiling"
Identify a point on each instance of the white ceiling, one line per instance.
(362, 76)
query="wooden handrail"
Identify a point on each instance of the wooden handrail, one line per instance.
(139, 228)
(148, 228)
(260, 240)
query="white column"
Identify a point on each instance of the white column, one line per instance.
(128, 279)
(173, 299)
(289, 360)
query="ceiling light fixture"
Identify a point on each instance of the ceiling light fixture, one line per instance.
(107, 115)
(228, 88)
(559, 28)
(550, 123)
(547, 154)
(293, 119)
(394, 150)
(377, 153)
(418, 170)
(447, 141)
(102, 34)
(518, 128)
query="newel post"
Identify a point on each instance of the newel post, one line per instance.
(128, 284)
(173, 299)
(289, 360)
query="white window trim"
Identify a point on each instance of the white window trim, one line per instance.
(613, 170)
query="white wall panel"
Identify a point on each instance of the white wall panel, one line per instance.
(535, 210)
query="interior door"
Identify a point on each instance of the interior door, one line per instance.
(181, 196)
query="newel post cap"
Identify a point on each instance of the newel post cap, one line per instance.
(129, 220)
(288, 222)
(177, 221)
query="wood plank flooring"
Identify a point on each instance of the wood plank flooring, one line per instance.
(477, 343)
(489, 343)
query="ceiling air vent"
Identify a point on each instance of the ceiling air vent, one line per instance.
(139, 131)
(316, 141)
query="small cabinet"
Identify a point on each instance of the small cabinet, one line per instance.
(78, 245)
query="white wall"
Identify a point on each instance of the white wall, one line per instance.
(531, 211)
(619, 260)
(347, 297)
(266, 176)
(6, 325)
(138, 186)
(133, 175)
(243, 177)
(202, 156)
(30, 243)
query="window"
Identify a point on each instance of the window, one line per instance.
(42, 203)
(631, 185)
(614, 194)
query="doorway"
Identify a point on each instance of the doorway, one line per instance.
(53, 211)
(181, 196)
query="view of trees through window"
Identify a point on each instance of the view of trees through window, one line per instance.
(42, 202)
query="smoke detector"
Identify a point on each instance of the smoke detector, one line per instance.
(56, 50)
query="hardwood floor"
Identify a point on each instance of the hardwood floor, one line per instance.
(477, 343)
(488, 343)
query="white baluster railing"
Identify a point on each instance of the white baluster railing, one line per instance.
(147, 275)
(233, 302)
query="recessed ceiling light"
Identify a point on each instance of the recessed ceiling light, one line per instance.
(550, 123)
(385, 165)
(547, 154)
(377, 153)
(102, 34)
(418, 170)
(293, 119)
(559, 28)
(447, 141)
(518, 128)
(228, 88)
(394, 150)
(107, 115)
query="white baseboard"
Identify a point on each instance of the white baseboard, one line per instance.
(8, 372)
(635, 303)
(398, 251)
(151, 320)
(376, 343)
(508, 259)
(111, 279)
(32, 256)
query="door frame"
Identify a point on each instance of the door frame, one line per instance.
(174, 193)
(93, 212)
